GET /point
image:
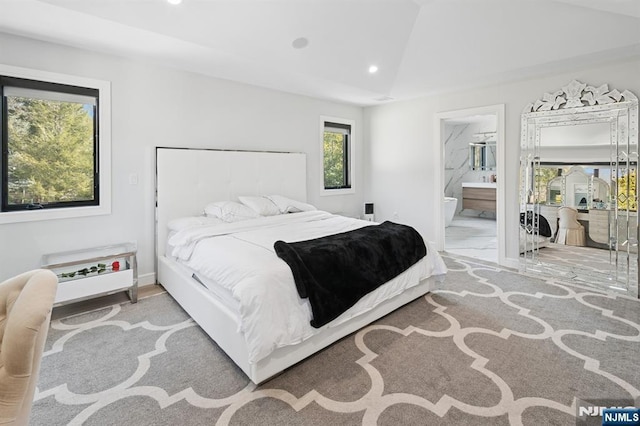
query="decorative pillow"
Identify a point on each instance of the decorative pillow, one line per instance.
(187, 222)
(261, 205)
(229, 211)
(287, 205)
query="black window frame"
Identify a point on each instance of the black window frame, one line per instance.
(9, 81)
(346, 149)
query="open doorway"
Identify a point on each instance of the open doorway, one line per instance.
(472, 147)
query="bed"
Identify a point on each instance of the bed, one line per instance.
(531, 239)
(189, 179)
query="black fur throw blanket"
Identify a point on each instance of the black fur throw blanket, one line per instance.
(335, 271)
(543, 225)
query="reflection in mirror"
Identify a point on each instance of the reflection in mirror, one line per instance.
(554, 189)
(568, 185)
(584, 135)
(482, 151)
(579, 154)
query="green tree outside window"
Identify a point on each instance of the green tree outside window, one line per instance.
(50, 151)
(334, 160)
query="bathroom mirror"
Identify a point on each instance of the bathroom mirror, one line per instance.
(482, 156)
(579, 149)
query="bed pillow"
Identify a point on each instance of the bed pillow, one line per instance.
(261, 205)
(287, 205)
(229, 211)
(182, 223)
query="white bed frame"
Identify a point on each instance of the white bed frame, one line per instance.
(188, 179)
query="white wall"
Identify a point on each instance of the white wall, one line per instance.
(402, 155)
(157, 106)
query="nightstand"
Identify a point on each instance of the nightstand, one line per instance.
(96, 271)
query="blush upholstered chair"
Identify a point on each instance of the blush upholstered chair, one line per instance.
(570, 231)
(26, 302)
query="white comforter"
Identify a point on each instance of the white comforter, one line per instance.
(240, 257)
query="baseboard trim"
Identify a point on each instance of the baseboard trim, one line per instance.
(146, 279)
(511, 262)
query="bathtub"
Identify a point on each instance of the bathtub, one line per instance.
(450, 205)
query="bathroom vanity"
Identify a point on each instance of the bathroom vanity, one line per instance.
(479, 196)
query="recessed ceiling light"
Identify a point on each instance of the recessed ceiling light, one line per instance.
(300, 43)
(373, 69)
(174, 1)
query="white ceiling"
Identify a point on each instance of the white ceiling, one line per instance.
(420, 46)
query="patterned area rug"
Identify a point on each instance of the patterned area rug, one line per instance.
(489, 346)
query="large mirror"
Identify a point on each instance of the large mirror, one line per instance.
(578, 199)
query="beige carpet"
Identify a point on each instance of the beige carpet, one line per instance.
(489, 346)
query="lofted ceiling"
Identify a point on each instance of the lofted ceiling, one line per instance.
(420, 47)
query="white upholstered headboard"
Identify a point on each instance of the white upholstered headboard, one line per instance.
(188, 179)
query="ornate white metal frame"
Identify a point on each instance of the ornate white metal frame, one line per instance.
(578, 104)
(576, 95)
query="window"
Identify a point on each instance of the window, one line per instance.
(337, 163)
(49, 145)
(55, 158)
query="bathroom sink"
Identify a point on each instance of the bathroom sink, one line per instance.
(478, 184)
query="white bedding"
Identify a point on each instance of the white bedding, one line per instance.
(530, 242)
(240, 258)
